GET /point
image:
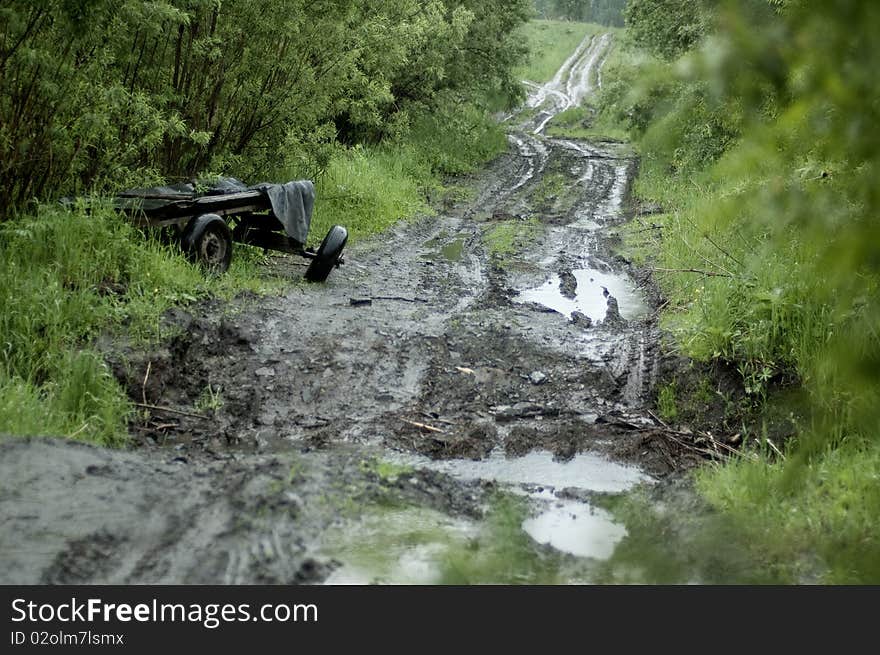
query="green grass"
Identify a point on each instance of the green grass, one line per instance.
(767, 304)
(66, 277)
(583, 123)
(367, 189)
(824, 520)
(766, 312)
(674, 538)
(507, 238)
(551, 186)
(386, 471)
(551, 43)
(666, 402)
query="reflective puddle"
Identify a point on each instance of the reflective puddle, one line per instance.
(585, 471)
(624, 534)
(403, 546)
(589, 297)
(576, 528)
(420, 546)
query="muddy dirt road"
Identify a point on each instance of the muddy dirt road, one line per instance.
(499, 345)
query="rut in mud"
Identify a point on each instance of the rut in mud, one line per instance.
(503, 326)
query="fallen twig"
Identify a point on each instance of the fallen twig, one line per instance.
(356, 302)
(775, 449)
(422, 426)
(155, 408)
(722, 250)
(399, 298)
(658, 419)
(652, 228)
(144, 385)
(691, 270)
(165, 426)
(82, 429)
(438, 420)
(673, 434)
(703, 451)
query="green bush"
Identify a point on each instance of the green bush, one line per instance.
(102, 95)
(757, 143)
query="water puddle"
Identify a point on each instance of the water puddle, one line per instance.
(396, 546)
(589, 297)
(585, 471)
(569, 526)
(535, 535)
(577, 529)
(442, 249)
(419, 546)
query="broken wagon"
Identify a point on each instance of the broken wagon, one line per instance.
(205, 220)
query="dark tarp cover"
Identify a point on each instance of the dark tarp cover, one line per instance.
(292, 203)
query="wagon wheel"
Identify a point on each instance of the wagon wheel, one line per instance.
(207, 240)
(328, 255)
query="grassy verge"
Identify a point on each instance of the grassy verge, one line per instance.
(747, 288)
(824, 519)
(65, 277)
(369, 189)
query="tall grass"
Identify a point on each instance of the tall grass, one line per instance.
(370, 188)
(746, 257)
(821, 526)
(65, 277)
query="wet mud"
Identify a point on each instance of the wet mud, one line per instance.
(429, 348)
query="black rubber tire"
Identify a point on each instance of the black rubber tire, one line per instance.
(207, 240)
(328, 254)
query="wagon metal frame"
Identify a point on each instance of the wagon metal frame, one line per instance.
(201, 225)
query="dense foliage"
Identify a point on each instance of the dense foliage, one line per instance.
(94, 92)
(668, 28)
(756, 123)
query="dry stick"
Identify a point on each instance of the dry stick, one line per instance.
(658, 419)
(704, 451)
(722, 250)
(78, 431)
(715, 443)
(776, 450)
(400, 298)
(438, 420)
(144, 385)
(155, 428)
(165, 426)
(708, 238)
(422, 426)
(171, 411)
(706, 259)
(653, 228)
(716, 265)
(690, 270)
